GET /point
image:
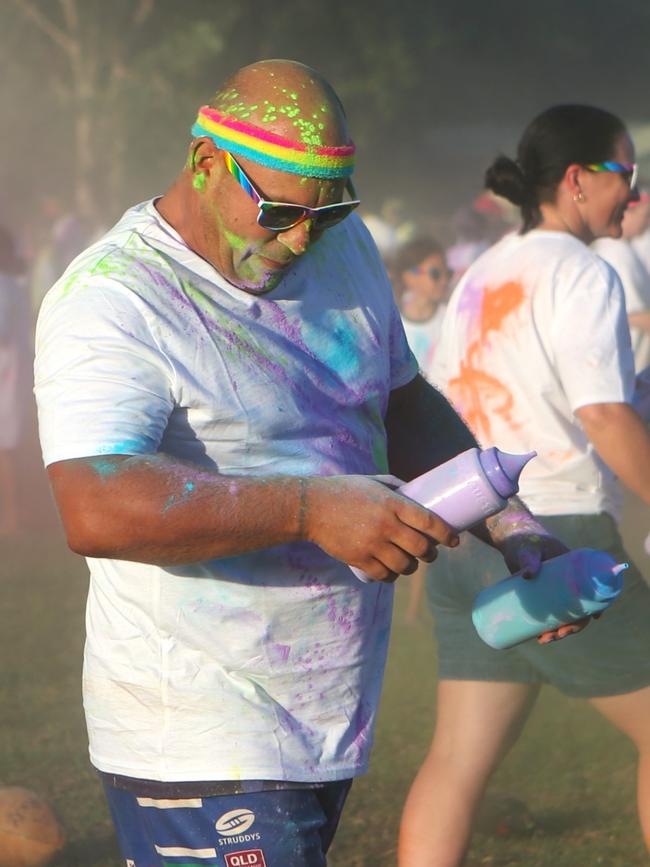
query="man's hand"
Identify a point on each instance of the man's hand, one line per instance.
(525, 544)
(359, 520)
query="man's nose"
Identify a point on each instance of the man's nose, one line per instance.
(296, 238)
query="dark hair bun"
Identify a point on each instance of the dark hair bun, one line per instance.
(505, 178)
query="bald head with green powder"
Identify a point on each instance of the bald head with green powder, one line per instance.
(211, 210)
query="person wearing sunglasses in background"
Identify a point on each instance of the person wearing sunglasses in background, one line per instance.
(421, 281)
(220, 379)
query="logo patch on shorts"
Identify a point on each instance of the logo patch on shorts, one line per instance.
(235, 822)
(246, 858)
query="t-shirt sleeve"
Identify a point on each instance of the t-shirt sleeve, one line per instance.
(102, 384)
(591, 337)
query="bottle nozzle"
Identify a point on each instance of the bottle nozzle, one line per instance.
(620, 567)
(514, 464)
(503, 469)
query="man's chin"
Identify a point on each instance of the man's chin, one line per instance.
(265, 285)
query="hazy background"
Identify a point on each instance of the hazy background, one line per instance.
(97, 97)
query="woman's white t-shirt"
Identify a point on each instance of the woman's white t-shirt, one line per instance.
(536, 329)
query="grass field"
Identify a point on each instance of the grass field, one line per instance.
(574, 773)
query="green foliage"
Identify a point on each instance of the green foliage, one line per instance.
(427, 86)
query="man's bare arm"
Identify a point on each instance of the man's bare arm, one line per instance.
(157, 509)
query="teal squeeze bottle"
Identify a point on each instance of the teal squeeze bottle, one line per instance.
(566, 588)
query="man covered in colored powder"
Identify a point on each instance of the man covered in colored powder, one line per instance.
(220, 379)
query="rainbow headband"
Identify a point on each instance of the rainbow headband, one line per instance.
(271, 150)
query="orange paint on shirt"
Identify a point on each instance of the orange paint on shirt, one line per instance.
(560, 457)
(476, 393)
(497, 304)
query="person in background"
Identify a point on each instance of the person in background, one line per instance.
(389, 227)
(640, 236)
(64, 235)
(623, 256)
(536, 354)
(471, 238)
(15, 353)
(421, 283)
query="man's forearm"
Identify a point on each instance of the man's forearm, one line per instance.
(155, 509)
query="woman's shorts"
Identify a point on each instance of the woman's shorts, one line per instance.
(610, 657)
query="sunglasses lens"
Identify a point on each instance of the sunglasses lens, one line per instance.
(280, 217)
(333, 215)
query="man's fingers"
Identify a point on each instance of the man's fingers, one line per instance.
(396, 559)
(379, 571)
(391, 482)
(419, 518)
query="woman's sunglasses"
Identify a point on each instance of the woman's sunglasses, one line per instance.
(281, 216)
(628, 170)
(432, 272)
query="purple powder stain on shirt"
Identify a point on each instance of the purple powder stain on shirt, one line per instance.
(290, 330)
(278, 653)
(343, 619)
(362, 721)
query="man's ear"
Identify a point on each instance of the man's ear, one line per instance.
(201, 157)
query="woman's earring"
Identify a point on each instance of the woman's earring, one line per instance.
(578, 197)
(198, 181)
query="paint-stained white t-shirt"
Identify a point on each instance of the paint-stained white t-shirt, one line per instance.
(266, 665)
(536, 329)
(423, 337)
(635, 280)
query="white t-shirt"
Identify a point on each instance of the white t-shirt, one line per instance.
(423, 337)
(641, 245)
(266, 665)
(537, 328)
(636, 285)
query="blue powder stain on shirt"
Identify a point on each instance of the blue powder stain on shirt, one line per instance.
(127, 447)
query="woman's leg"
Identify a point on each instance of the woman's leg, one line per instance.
(630, 713)
(477, 722)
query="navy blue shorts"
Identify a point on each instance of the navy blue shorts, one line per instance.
(279, 828)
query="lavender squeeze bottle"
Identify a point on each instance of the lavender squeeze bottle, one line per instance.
(471, 486)
(566, 588)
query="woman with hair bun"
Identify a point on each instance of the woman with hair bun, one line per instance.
(535, 354)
